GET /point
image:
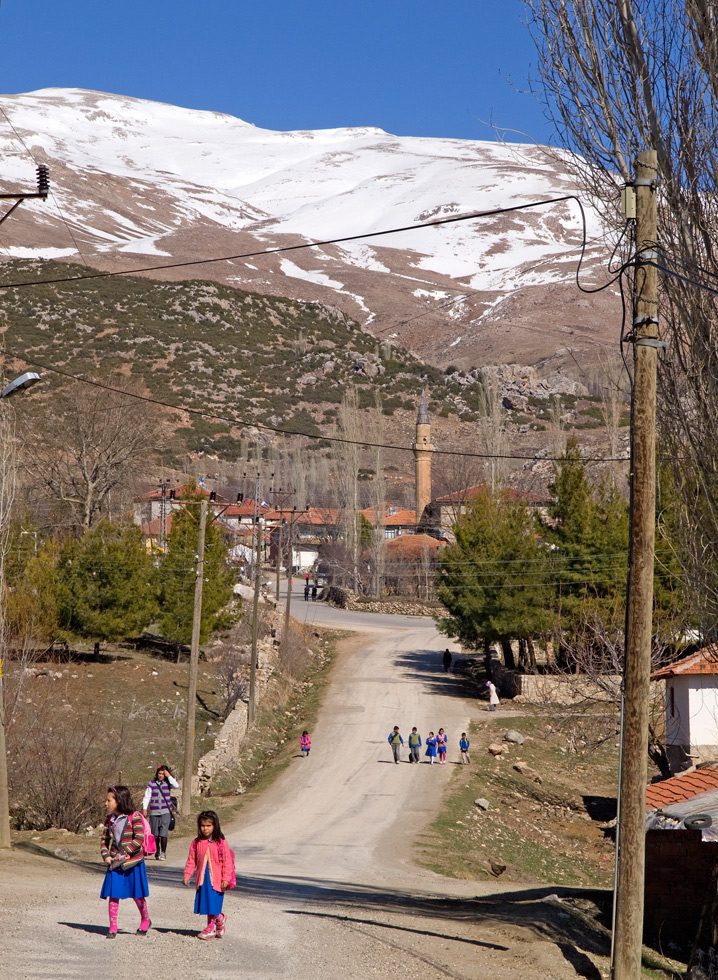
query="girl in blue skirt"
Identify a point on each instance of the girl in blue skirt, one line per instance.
(121, 849)
(211, 858)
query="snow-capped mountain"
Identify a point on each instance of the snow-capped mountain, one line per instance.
(138, 184)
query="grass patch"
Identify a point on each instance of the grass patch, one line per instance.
(539, 824)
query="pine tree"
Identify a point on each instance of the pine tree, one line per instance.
(493, 579)
(178, 572)
(106, 583)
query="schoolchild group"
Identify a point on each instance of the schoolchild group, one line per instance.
(128, 839)
(435, 746)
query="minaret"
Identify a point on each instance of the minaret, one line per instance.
(422, 456)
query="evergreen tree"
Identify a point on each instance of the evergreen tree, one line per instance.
(106, 583)
(588, 532)
(178, 572)
(493, 579)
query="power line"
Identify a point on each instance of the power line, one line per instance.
(231, 420)
(295, 248)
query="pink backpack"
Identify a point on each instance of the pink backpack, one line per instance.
(232, 876)
(149, 844)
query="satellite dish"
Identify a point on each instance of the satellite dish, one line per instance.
(26, 380)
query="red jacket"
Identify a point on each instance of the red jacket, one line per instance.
(206, 854)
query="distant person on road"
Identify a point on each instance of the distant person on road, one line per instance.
(447, 660)
(121, 848)
(464, 744)
(305, 743)
(493, 696)
(306, 591)
(314, 592)
(414, 745)
(158, 801)
(396, 742)
(441, 746)
(431, 747)
(210, 855)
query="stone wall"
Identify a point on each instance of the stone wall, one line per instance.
(228, 742)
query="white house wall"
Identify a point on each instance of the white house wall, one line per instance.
(703, 696)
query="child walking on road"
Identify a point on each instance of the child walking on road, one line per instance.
(414, 745)
(396, 742)
(122, 839)
(441, 746)
(305, 743)
(211, 857)
(431, 747)
(464, 744)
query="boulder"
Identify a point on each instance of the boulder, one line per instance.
(513, 736)
(496, 749)
(482, 804)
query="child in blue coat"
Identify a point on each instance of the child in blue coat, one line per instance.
(464, 748)
(431, 747)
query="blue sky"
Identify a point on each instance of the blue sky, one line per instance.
(411, 67)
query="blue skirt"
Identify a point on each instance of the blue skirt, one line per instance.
(207, 901)
(122, 883)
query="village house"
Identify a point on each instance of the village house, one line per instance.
(691, 708)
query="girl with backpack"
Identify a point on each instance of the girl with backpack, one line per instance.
(441, 746)
(122, 849)
(213, 860)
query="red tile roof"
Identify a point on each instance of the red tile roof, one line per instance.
(679, 788)
(705, 661)
(393, 516)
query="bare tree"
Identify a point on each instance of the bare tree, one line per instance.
(84, 445)
(618, 77)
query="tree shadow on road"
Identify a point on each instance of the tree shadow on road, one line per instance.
(426, 665)
(528, 910)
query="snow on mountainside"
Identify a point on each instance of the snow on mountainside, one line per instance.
(138, 183)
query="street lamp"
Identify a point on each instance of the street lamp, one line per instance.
(26, 380)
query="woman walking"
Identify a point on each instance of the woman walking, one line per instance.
(123, 838)
(158, 801)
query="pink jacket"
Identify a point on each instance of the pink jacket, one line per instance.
(206, 854)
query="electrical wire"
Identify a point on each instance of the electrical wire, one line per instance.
(232, 421)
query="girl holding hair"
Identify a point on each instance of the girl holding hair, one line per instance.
(211, 858)
(441, 746)
(431, 747)
(158, 801)
(121, 849)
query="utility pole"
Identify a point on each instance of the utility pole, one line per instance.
(285, 634)
(631, 834)
(193, 663)
(284, 497)
(251, 707)
(19, 384)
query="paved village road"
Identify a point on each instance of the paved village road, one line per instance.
(326, 885)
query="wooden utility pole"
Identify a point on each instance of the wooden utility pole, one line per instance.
(285, 634)
(251, 707)
(193, 663)
(631, 835)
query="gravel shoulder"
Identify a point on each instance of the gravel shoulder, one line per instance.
(326, 883)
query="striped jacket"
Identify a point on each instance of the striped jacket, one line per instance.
(133, 837)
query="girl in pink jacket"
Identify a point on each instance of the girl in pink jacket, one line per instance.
(210, 856)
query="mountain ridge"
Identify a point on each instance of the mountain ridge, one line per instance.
(136, 180)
